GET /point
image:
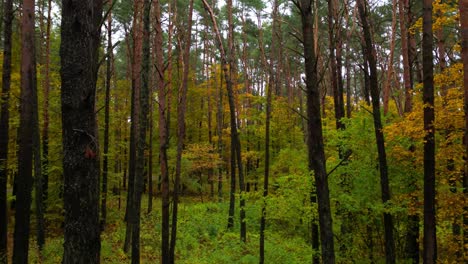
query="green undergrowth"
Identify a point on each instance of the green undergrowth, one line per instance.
(202, 237)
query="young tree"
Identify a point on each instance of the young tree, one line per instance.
(25, 135)
(181, 109)
(271, 83)
(80, 39)
(370, 55)
(163, 104)
(4, 126)
(105, 162)
(430, 241)
(315, 146)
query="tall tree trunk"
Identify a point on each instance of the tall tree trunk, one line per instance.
(316, 152)
(235, 141)
(271, 82)
(105, 162)
(80, 35)
(142, 109)
(25, 134)
(135, 125)
(181, 109)
(463, 6)
(430, 240)
(380, 141)
(4, 127)
(45, 128)
(163, 132)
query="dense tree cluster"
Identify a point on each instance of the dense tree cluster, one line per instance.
(246, 131)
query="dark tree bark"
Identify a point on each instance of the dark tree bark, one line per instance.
(25, 135)
(463, 6)
(105, 162)
(271, 82)
(135, 125)
(181, 109)
(380, 141)
(315, 146)
(45, 128)
(4, 126)
(142, 109)
(163, 133)
(80, 35)
(430, 240)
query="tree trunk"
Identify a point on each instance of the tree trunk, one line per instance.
(45, 128)
(271, 82)
(105, 162)
(235, 141)
(181, 109)
(403, 5)
(316, 152)
(25, 134)
(142, 55)
(463, 6)
(135, 125)
(380, 141)
(79, 54)
(430, 241)
(4, 127)
(163, 132)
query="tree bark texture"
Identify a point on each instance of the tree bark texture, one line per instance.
(25, 136)
(430, 240)
(80, 36)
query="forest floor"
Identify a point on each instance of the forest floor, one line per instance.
(202, 237)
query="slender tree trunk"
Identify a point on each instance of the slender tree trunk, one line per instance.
(235, 141)
(430, 240)
(135, 125)
(181, 109)
(271, 83)
(38, 180)
(105, 163)
(4, 127)
(25, 135)
(163, 132)
(315, 144)
(463, 6)
(45, 128)
(80, 36)
(142, 109)
(380, 141)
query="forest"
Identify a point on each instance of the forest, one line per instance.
(234, 131)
